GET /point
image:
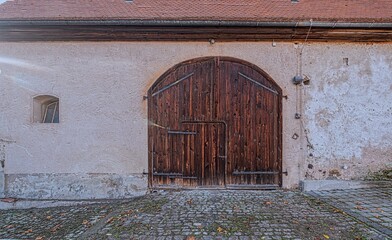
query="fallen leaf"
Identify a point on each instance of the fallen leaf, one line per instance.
(359, 238)
(220, 230)
(85, 222)
(55, 228)
(129, 212)
(49, 217)
(189, 201)
(337, 210)
(360, 207)
(268, 203)
(9, 200)
(326, 236)
(190, 238)
(39, 238)
(29, 231)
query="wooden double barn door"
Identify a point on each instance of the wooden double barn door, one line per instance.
(216, 123)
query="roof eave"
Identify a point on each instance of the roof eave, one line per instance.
(198, 23)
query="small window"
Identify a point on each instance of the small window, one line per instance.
(46, 109)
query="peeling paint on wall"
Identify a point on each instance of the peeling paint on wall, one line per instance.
(3, 155)
(2, 163)
(349, 112)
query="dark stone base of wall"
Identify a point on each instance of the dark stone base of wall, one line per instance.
(74, 186)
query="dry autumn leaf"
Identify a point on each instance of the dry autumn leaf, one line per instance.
(379, 209)
(39, 238)
(326, 236)
(49, 217)
(29, 231)
(55, 228)
(129, 212)
(9, 200)
(360, 207)
(85, 222)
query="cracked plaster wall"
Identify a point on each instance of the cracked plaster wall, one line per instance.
(103, 117)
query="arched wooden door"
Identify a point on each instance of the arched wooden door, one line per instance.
(215, 122)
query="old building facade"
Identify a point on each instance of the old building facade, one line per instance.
(109, 106)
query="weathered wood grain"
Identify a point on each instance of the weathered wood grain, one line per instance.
(12, 33)
(232, 109)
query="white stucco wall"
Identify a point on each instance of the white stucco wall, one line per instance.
(103, 118)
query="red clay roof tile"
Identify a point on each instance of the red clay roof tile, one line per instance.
(224, 10)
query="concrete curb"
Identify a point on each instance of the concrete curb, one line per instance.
(323, 185)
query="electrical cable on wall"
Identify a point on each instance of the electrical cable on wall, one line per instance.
(299, 81)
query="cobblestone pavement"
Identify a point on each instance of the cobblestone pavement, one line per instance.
(58, 222)
(191, 215)
(370, 205)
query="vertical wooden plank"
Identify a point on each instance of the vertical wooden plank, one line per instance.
(191, 170)
(252, 138)
(201, 160)
(258, 134)
(222, 160)
(225, 111)
(236, 125)
(212, 155)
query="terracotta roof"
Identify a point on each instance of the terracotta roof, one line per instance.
(222, 10)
